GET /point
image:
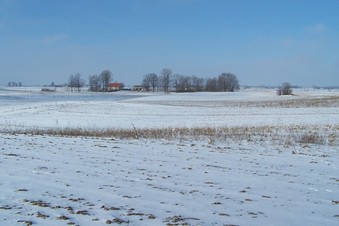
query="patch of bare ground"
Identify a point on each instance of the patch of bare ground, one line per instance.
(178, 220)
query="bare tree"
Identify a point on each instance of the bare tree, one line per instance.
(197, 84)
(175, 82)
(78, 81)
(233, 83)
(185, 84)
(75, 81)
(71, 82)
(105, 77)
(154, 81)
(94, 83)
(150, 81)
(285, 89)
(228, 82)
(165, 78)
(146, 83)
(211, 85)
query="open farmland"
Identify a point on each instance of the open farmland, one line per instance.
(121, 110)
(244, 158)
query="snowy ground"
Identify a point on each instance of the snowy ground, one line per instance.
(55, 180)
(87, 181)
(121, 110)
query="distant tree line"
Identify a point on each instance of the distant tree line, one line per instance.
(14, 84)
(97, 83)
(166, 81)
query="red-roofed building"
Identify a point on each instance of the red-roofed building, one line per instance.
(115, 86)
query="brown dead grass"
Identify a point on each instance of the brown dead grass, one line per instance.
(287, 135)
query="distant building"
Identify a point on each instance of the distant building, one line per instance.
(116, 86)
(138, 88)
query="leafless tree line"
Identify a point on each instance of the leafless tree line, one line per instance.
(14, 84)
(153, 82)
(96, 82)
(75, 82)
(100, 82)
(166, 81)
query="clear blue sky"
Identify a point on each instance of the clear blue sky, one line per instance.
(263, 42)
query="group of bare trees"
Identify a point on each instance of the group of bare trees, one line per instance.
(153, 82)
(76, 82)
(100, 82)
(14, 84)
(225, 82)
(150, 82)
(182, 83)
(96, 82)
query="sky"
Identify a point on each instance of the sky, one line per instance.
(262, 42)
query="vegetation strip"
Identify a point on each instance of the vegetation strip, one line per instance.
(294, 133)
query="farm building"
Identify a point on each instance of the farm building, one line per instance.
(138, 88)
(116, 86)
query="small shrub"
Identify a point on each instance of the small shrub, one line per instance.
(285, 89)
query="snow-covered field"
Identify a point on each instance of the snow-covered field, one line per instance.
(58, 180)
(121, 110)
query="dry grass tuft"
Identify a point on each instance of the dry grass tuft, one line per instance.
(311, 138)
